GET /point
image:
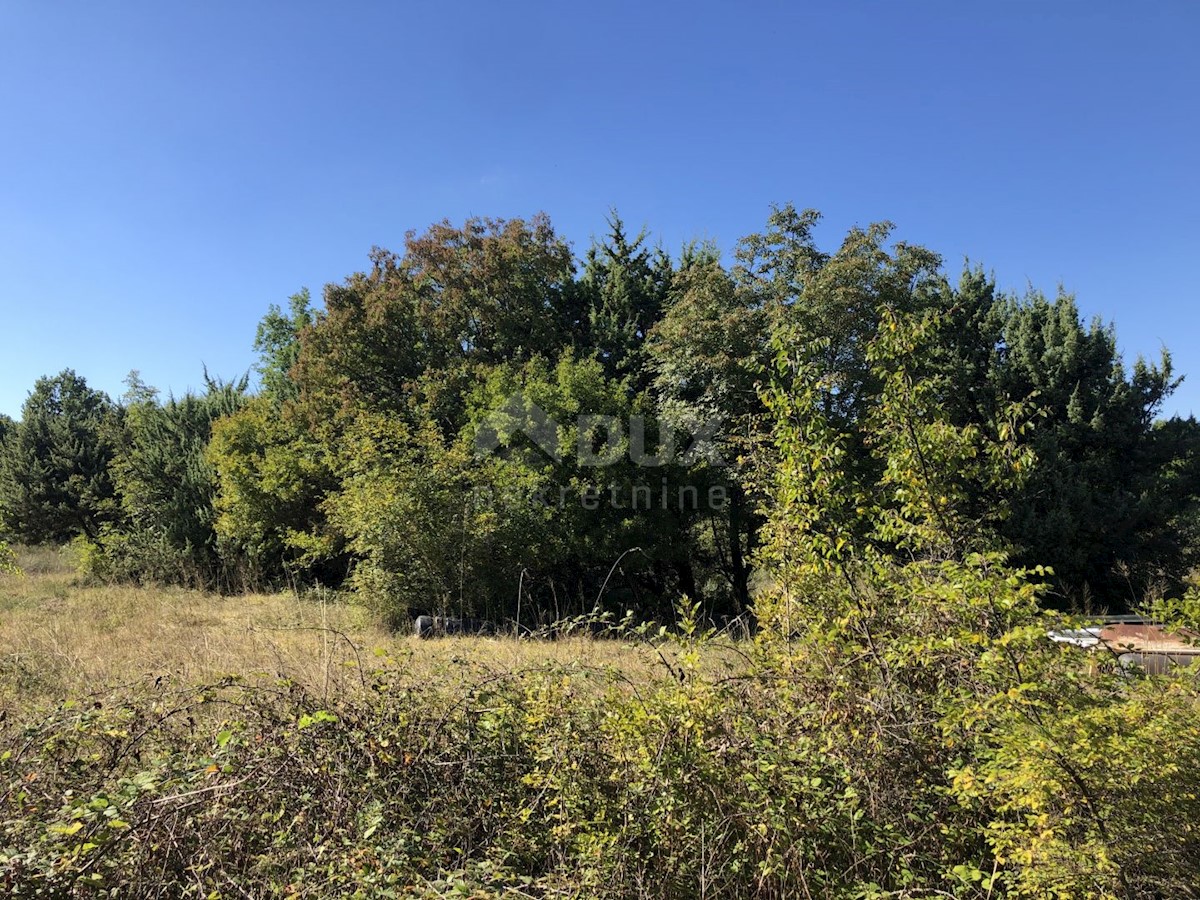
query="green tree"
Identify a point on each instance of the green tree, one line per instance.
(407, 507)
(54, 466)
(273, 478)
(278, 344)
(1105, 504)
(7, 426)
(490, 291)
(995, 762)
(167, 493)
(491, 522)
(708, 355)
(625, 286)
(404, 347)
(1090, 506)
(610, 519)
(1169, 533)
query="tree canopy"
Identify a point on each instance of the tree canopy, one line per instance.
(483, 423)
(55, 466)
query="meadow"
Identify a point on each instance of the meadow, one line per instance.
(64, 637)
(172, 743)
(169, 742)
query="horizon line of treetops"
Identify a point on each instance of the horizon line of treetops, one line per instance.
(352, 463)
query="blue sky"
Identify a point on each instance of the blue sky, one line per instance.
(169, 170)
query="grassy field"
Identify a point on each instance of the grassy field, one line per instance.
(161, 744)
(62, 638)
(164, 743)
(172, 743)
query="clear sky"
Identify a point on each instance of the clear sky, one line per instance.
(169, 170)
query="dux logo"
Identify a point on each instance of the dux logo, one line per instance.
(599, 440)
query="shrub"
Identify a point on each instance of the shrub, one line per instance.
(8, 560)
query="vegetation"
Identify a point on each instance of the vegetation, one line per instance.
(164, 532)
(897, 484)
(491, 330)
(55, 469)
(8, 565)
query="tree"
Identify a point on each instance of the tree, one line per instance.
(54, 466)
(490, 291)
(605, 517)
(407, 505)
(7, 426)
(167, 491)
(995, 760)
(273, 479)
(1105, 502)
(625, 287)
(490, 522)
(708, 355)
(278, 343)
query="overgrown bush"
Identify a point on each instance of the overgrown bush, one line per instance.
(552, 782)
(167, 490)
(805, 770)
(996, 762)
(8, 560)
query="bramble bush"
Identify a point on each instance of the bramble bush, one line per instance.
(8, 560)
(996, 762)
(803, 771)
(556, 781)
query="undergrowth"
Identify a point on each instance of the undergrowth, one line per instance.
(562, 780)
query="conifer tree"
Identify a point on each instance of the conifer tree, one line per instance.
(626, 285)
(55, 481)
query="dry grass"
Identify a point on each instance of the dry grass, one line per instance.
(62, 638)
